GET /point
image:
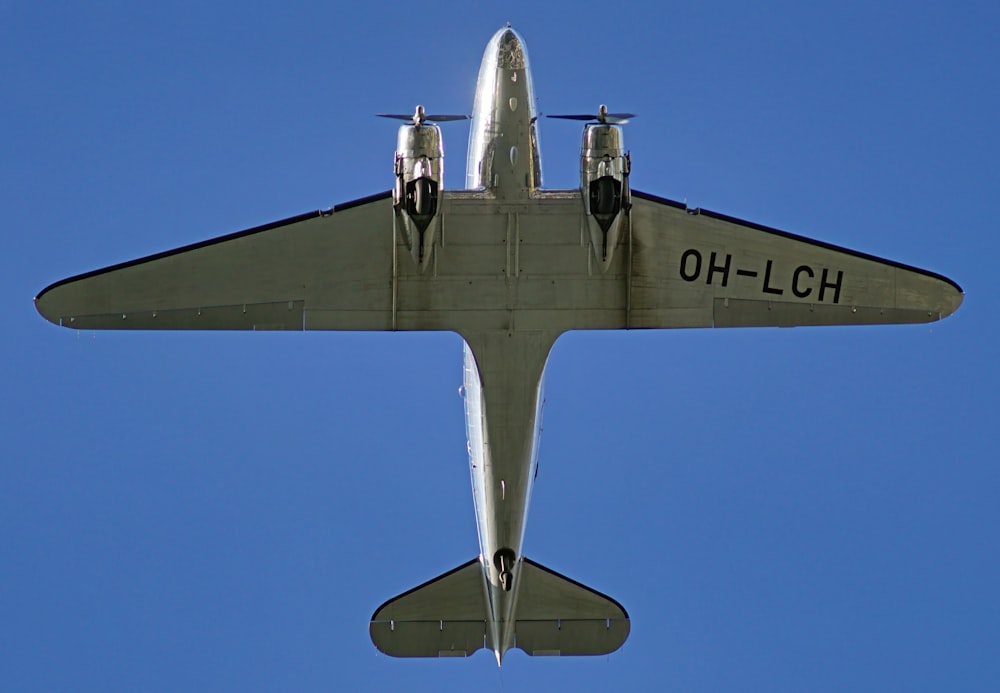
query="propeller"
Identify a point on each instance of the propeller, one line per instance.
(602, 116)
(419, 117)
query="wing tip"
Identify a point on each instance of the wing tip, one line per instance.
(40, 306)
(944, 299)
(54, 285)
(954, 300)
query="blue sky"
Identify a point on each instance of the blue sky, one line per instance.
(807, 509)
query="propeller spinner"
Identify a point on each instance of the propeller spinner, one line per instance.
(419, 117)
(602, 116)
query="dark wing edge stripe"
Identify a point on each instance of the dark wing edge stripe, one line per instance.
(219, 239)
(792, 236)
(614, 601)
(422, 585)
(360, 201)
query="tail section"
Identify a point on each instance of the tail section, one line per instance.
(448, 616)
(559, 616)
(444, 617)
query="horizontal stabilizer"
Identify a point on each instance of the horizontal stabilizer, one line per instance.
(559, 616)
(444, 617)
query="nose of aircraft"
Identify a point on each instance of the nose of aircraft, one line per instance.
(510, 49)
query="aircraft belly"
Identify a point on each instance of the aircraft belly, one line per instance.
(508, 266)
(503, 417)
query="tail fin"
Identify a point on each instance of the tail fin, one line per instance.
(446, 616)
(559, 616)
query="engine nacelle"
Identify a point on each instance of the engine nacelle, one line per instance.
(419, 169)
(604, 171)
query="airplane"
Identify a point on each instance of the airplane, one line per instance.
(509, 266)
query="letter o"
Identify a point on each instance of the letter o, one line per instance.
(690, 276)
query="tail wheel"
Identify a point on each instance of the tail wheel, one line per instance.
(503, 561)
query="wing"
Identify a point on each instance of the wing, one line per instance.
(494, 266)
(695, 268)
(336, 262)
(500, 266)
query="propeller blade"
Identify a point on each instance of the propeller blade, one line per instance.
(408, 117)
(602, 116)
(446, 118)
(419, 117)
(573, 117)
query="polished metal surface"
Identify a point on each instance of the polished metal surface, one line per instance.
(503, 141)
(604, 186)
(419, 185)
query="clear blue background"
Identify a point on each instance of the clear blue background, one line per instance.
(808, 509)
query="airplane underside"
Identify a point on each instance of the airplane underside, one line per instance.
(509, 266)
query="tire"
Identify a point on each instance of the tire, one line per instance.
(605, 196)
(422, 197)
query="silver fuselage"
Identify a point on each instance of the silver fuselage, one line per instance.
(503, 407)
